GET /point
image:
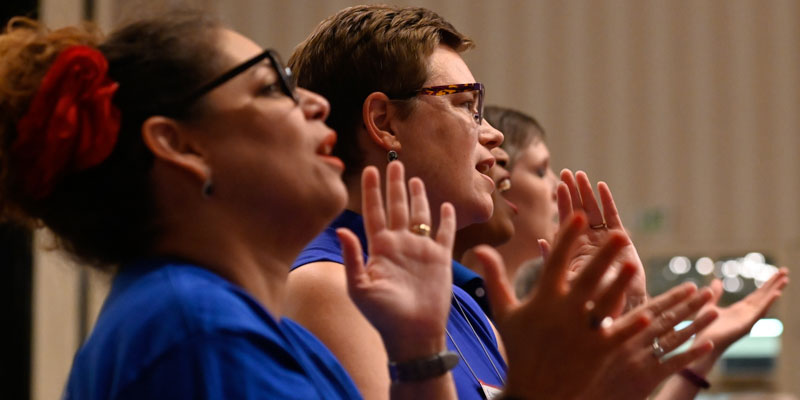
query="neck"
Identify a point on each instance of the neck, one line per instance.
(255, 258)
(515, 252)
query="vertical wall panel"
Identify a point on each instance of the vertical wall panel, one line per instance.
(685, 106)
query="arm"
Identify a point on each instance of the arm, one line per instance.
(403, 290)
(733, 323)
(317, 299)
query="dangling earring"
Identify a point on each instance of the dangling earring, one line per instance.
(208, 187)
(392, 155)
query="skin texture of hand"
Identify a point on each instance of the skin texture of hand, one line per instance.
(557, 350)
(733, 323)
(404, 289)
(736, 320)
(575, 194)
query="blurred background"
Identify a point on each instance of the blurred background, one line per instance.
(687, 108)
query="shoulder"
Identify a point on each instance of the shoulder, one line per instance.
(160, 310)
(317, 286)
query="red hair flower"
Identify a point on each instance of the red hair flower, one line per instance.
(71, 124)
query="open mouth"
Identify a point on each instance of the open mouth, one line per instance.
(326, 147)
(504, 185)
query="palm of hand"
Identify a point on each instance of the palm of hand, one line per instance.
(400, 271)
(588, 246)
(736, 320)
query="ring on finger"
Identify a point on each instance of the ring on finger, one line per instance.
(658, 351)
(421, 229)
(601, 225)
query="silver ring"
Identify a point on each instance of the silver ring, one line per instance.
(658, 351)
(599, 226)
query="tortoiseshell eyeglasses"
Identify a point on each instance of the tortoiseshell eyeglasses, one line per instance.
(477, 88)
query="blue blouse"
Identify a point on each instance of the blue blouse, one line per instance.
(467, 324)
(170, 330)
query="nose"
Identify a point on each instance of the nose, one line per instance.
(500, 155)
(314, 106)
(489, 137)
(554, 184)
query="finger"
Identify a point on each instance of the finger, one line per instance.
(716, 290)
(777, 281)
(670, 298)
(564, 202)
(610, 212)
(501, 295)
(589, 279)
(666, 321)
(372, 201)
(445, 235)
(625, 328)
(614, 296)
(396, 198)
(672, 340)
(353, 257)
(572, 185)
(544, 248)
(679, 361)
(554, 271)
(663, 302)
(590, 205)
(420, 210)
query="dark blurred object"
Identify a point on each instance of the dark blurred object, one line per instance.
(16, 261)
(8, 9)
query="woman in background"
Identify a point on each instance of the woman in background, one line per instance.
(535, 191)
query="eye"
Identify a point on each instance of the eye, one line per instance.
(270, 90)
(541, 172)
(501, 163)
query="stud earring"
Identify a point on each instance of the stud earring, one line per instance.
(208, 187)
(392, 155)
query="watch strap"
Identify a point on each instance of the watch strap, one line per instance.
(423, 368)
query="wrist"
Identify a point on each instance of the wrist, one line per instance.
(424, 368)
(405, 349)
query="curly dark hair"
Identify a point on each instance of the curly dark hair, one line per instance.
(104, 215)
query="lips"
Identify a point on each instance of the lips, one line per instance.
(325, 149)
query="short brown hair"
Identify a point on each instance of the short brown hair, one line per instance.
(366, 49)
(105, 214)
(519, 129)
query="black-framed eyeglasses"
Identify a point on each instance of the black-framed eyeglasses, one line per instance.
(284, 77)
(443, 90)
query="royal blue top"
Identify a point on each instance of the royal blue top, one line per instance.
(467, 324)
(173, 330)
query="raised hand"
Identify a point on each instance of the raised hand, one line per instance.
(557, 348)
(575, 194)
(737, 320)
(404, 290)
(733, 323)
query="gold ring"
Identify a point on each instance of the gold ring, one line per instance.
(421, 229)
(599, 226)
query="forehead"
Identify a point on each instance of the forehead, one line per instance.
(236, 47)
(536, 151)
(445, 67)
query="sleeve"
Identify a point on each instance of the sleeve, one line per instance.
(223, 366)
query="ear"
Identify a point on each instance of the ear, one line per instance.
(378, 114)
(172, 144)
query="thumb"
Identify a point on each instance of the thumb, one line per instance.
(501, 295)
(353, 258)
(544, 248)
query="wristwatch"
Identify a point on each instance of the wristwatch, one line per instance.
(423, 368)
